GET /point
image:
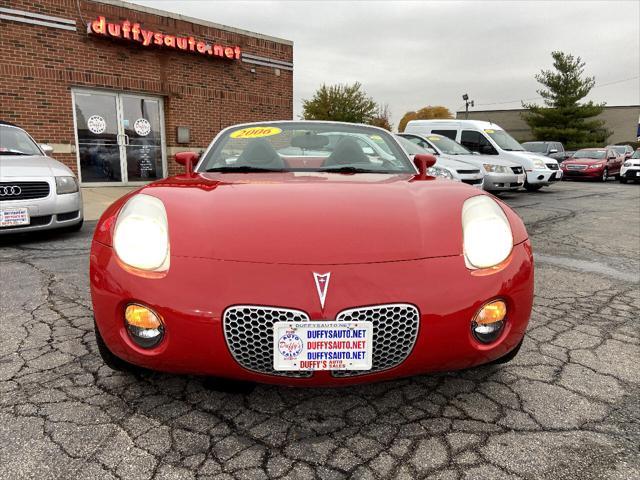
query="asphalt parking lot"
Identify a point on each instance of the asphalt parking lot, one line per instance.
(567, 407)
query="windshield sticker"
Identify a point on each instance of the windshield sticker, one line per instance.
(434, 139)
(256, 132)
(96, 124)
(377, 138)
(490, 131)
(142, 127)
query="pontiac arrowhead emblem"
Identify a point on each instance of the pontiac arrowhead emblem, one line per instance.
(322, 285)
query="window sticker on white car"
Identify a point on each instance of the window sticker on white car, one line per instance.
(142, 127)
(490, 131)
(256, 132)
(96, 124)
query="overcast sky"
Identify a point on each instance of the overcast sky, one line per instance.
(412, 54)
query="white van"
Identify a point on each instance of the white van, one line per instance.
(487, 138)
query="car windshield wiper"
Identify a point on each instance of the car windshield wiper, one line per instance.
(12, 152)
(349, 170)
(243, 169)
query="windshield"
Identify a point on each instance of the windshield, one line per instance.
(504, 140)
(15, 141)
(621, 149)
(636, 154)
(306, 146)
(594, 154)
(535, 147)
(410, 147)
(447, 146)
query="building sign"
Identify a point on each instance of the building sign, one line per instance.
(134, 33)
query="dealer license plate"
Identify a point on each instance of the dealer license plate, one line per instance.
(321, 345)
(11, 217)
(520, 178)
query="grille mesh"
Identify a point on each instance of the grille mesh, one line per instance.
(249, 334)
(552, 166)
(395, 329)
(28, 190)
(248, 330)
(517, 170)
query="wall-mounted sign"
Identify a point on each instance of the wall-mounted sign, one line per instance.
(133, 32)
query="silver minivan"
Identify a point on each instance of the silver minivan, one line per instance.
(489, 139)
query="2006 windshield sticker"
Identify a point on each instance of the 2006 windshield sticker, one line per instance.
(256, 132)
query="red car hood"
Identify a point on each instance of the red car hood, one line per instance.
(315, 219)
(583, 161)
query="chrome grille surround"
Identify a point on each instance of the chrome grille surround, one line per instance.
(575, 166)
(395, 331)
(248, 331)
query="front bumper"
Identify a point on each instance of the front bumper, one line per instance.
(52, 211)
(586, 173)
(543, 177)
(496, 182)
(630, 173)
(195, 292)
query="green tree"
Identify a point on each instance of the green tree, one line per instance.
(562, 117)
(340, 103)
(426, 113)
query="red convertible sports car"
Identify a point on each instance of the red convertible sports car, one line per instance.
(296, 253)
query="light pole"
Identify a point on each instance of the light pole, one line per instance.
(467, 102)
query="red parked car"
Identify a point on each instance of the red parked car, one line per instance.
(282, 258)
(594, 163)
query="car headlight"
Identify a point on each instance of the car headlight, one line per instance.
(489, 167)
(627, 164)
(597, 165)
(439, 172)
(539, 163)
(141, 235)
(66, 185)
(487, 237)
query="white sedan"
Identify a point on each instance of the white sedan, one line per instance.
(36, 191)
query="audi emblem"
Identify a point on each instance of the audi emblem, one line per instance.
(10, 191)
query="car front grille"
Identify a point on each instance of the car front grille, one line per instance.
(517, 170)
(576, 167)
(395, 330)
(552, 166)
(474, 181)
(248, 330)
(468, 172)
(23, 190)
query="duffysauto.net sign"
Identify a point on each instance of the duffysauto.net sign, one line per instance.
(133, 32)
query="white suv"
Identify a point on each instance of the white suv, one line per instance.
(490, 139)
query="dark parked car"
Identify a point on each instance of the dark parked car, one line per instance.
(548, 149)
(594, 163)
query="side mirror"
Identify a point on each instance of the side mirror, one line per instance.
(188, 159)
(553, 150)
(423, 162)
(46, 148)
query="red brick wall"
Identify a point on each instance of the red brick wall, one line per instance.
(40, 65)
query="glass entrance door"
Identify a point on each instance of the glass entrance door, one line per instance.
(120, 137)
(143, 137)
(98, 137)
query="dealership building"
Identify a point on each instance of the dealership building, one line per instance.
(117, 89)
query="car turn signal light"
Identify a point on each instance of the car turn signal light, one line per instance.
(491, 312)
(141, 317)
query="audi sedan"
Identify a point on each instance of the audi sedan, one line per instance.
(283, 257)
(36, 191)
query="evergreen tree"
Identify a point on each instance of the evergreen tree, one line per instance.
(563, 118)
